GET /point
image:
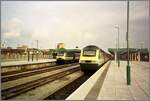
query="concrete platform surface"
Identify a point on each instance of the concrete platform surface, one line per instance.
(12, 63)
(86, 88)
(115, 86)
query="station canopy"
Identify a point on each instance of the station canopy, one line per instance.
(124, 50)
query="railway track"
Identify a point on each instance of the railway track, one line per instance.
(18, 89)
(19, 74)
(23, 70)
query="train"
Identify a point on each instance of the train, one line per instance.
(92, 58)
(68, 56)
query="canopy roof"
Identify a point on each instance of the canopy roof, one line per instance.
(124, 50)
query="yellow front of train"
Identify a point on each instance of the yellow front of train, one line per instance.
(90, 58)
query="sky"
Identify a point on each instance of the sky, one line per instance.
(75, 23)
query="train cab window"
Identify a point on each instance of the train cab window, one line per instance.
(60, 54)
(89, 53)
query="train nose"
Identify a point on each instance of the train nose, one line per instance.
(88, 61)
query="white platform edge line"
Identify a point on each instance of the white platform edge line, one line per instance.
(85, 88)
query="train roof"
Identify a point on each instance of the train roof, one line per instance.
(67, 50)
(73, 50)
(91, 47)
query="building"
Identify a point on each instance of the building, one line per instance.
(134, 54)
(22, 47)
(60, 45)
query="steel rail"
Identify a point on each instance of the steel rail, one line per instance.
(22, 74)
(24, 70)
(14, 91)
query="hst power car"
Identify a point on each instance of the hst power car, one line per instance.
(68, 56)
(92, 57)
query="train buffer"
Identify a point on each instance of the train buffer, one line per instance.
(111, 84)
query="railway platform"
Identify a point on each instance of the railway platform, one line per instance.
(109, 83)
(11, 63)
(20, 65)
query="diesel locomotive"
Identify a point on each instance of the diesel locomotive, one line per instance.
(92, 58)
(68, 56)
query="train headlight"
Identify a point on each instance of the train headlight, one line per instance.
(60, 57)
(81, 61)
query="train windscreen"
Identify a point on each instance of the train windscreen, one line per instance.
(89, 53)
(60, 54)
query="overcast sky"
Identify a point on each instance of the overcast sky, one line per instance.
(75, 23)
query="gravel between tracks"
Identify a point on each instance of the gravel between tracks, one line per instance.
(44, 91)
(20, 81)
(32, 72)
(63, 93)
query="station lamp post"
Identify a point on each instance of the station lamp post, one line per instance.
(115, 53)
(31, 52)
(128, 65)
(28, 53)
(37, 50)
(118, 56)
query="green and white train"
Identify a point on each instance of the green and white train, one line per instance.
(68, 56)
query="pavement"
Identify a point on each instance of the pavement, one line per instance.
(12, 63)
(114, 86)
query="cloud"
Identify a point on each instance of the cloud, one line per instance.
(12, 28)
(11, 34)
(74, 23)
(39, 34)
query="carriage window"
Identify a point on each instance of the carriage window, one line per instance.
(89, 53)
